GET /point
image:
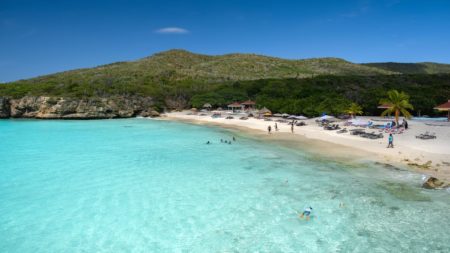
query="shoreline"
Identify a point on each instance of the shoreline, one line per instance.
(314, 140)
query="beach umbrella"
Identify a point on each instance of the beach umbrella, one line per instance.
(292, 117)
(285, 115)
(359, 122)
(327, 117)
(278, 115)
(301, 117)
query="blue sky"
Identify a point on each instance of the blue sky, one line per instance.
(42, 37)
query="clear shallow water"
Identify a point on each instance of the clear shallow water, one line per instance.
(151, 186)
(444, 119)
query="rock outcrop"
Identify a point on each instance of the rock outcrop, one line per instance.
(432, 183)
(4, 108)
(43, 107)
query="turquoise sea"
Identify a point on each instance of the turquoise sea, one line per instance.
(138, 185)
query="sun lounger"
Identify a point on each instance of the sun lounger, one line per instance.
(426, 136)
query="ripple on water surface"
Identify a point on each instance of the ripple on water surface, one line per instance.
(153, 186)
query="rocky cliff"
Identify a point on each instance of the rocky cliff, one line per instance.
(4, 108)
(42, 107)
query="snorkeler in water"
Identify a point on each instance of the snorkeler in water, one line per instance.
(306, 212)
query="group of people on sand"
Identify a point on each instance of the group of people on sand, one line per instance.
(404, 124)
(269, 128)
(223, 141)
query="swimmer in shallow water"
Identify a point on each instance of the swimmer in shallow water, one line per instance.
(306, 212)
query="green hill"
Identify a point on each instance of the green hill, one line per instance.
(181, 64)
(412, 68)
(178, 79)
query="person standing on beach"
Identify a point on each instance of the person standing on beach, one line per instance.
(276, 127)
(292, 127)
(391, 141)
(269, 129)
(405, 124)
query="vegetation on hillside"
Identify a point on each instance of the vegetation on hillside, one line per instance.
(412, 68)
(354, 109)
(308, 87)
(331, 94)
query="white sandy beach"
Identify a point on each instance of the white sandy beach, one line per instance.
(430, 157)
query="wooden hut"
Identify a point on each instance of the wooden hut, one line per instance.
(248, 105)
(235, 106)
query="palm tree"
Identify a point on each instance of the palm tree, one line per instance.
(398, 102)
(354, 110)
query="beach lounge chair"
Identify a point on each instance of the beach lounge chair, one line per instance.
(426, 136)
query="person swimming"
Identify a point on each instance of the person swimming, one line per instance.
(306, 212)
(234, 139)
(208, 142)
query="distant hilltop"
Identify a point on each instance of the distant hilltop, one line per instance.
(181, 64)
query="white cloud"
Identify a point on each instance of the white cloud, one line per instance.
(172, 30)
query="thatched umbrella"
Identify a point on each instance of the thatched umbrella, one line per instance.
(266, 112)
(207, 106)
(327, 117)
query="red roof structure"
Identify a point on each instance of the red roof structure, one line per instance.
(248, 102)
(443, 107)
(235, 105)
